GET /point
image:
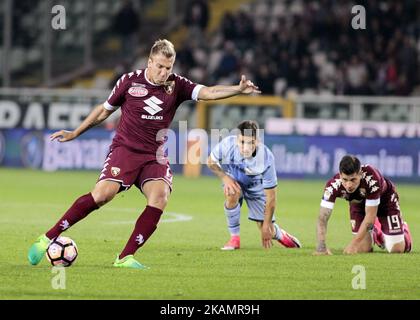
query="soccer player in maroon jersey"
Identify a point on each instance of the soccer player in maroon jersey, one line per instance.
(148, 99)
(374, 209)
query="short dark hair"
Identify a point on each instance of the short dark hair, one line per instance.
(349, 164)
(249, 128)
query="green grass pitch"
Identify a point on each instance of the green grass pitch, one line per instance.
(184, 255)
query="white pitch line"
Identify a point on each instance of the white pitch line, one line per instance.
(177, 217)
(167, 217)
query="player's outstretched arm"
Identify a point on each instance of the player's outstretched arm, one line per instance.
(324, 215)
(98, 114)
(221, 92)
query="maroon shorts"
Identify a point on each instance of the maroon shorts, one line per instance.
(389, 213)
(128, 167)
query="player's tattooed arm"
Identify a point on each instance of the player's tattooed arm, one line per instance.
(245, 86)
(98, 114)
(324, 215)
(369, 227)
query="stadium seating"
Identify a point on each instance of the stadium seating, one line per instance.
(28, 46)
(316, 58)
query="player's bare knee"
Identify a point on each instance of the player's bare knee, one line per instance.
(397, 248)
(159, 200)
(231, 201)
(104, 192)
(101, 198)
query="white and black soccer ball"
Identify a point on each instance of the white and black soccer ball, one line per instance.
(62, 252)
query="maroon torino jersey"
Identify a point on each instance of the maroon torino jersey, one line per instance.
(373, 186)
(147, 108)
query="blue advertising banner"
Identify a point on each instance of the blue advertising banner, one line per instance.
(296, 157)
(319, 156)
(33, 149)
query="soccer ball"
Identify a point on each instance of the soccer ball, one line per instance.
(62, 252)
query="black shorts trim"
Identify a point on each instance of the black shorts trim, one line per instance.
(270, 187)
(259, 220)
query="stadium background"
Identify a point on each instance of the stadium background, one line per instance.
(328, 89)
(362, 83)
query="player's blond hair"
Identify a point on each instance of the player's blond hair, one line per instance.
(164, 47)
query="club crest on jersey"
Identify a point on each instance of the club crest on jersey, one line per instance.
(362, 192)
(169, 87)
(327, 195)
(138, 91)
(115, 171)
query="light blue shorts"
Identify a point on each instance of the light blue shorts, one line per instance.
(255, 201)
(256, 205)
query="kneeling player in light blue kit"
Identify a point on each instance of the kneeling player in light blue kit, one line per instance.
(247, 170)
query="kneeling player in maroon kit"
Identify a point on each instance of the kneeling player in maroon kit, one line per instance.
(148, 99)
(374, 209)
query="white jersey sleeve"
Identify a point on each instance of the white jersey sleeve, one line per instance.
(221, 152)
(270, 174)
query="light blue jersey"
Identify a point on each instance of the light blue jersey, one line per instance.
(253, 174)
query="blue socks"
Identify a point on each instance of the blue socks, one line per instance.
(233, 219)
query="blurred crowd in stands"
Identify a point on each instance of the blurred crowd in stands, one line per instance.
(306, 46)
(310, 46)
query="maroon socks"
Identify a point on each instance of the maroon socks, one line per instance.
(79, 210)
(145, 226)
